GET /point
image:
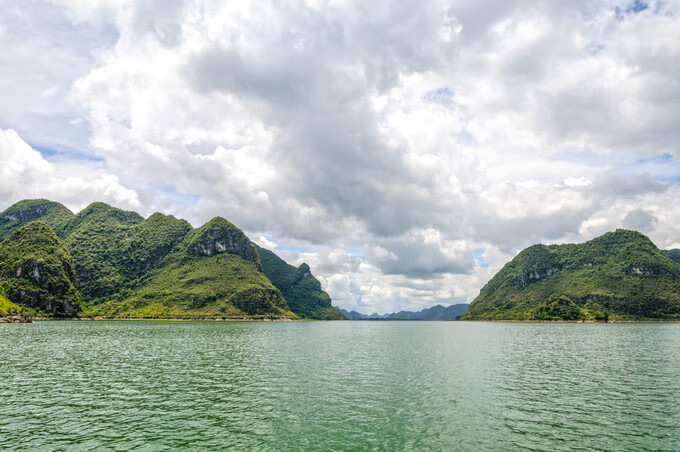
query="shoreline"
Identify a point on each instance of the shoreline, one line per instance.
(165, 319)
(16, 318)
(246, 319)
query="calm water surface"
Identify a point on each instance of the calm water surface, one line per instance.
(339, 386)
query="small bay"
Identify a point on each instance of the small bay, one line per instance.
(127, 385)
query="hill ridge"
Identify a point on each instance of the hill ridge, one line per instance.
(160, 266)
(299, 287)
(621, 273)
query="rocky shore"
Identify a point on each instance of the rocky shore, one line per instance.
(17, 318)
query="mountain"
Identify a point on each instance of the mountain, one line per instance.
(299, 287)
(354, 315)
(37, 271)
(620, 275)
(169, 269)
(123, 265)
(12, 313)
(438, 312)
(674, 255)
(20, 214)
(98, 237)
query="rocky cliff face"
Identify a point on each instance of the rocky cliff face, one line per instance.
(521, 282)
(220, 236)
(37, 271)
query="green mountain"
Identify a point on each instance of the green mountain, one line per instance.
(620, 275)
(299, 287)
(7, 307)
(20, 214)
(122, 265)
(674, 255)
(212, 271)
(37, 271)
(354, 315)
(128, 266)
(97, 238)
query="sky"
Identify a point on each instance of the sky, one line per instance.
(406, 150)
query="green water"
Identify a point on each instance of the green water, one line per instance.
(339, 386)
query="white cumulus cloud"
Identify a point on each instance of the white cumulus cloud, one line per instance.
(384, 143)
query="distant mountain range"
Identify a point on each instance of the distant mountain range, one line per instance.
(438, 312)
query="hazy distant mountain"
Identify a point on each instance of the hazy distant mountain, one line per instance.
(354, 315)
(439, 312)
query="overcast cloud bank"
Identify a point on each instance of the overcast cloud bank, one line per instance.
(405, 150)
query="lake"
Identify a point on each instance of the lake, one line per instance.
(128, 385)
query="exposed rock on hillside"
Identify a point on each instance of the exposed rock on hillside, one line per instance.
(220, 236)
(37, 271)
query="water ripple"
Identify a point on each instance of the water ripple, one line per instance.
(339, 386)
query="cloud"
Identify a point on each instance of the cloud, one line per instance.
(382, 142)
(26, 174)
(640, 220)
(43, 53)
(423, 253)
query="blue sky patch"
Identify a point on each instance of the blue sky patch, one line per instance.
(661, 158)
(479, 257)
(637, 6)
(443, 94)
(72, 154)
(355, 251)
(633, 8)
(288, 248)
(45, 152)
(184, 199)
